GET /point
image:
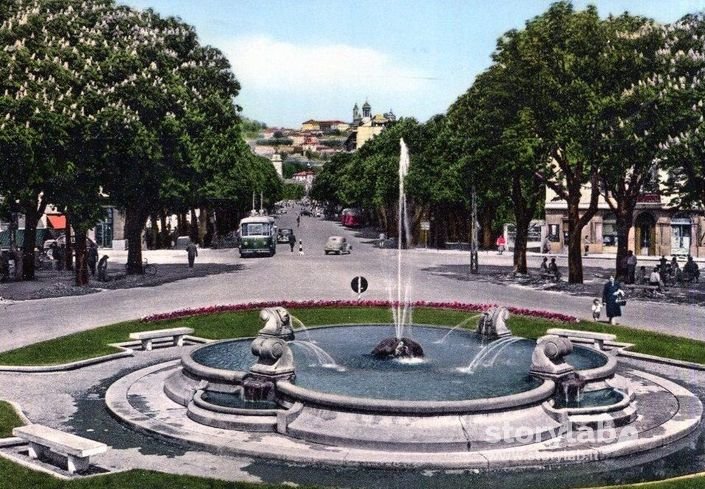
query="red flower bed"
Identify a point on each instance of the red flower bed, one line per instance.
(457, 306)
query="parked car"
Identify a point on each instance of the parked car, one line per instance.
(283, 235)
(338, 245)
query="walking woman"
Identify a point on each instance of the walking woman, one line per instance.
(612, 295)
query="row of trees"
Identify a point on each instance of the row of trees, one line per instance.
(584, 106)
(101, 105)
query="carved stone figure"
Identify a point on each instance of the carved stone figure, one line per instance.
(398, 348)
(277, 323)
(493, 324)
(547, 359)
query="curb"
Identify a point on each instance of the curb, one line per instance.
(127, 351)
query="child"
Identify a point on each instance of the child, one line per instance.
(301, 247)
(596, 309)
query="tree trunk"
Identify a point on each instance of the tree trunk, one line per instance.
(31, 217)
(520, 241)
(202, 224)
(68, 252)
(81, 258)
(575, 254)
(164, 238)
(487, 234)
(625, 218)
(135, 220)
(193, 228)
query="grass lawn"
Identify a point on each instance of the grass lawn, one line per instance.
(93, 343)
(8, 419)
(17, 477)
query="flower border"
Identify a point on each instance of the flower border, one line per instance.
(457, 306)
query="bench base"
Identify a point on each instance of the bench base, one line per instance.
(73, 463)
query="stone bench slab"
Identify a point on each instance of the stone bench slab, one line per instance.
(77, 449)
(160, 333)
(146, 337)
(589, 335)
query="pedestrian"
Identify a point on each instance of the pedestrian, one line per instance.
(298, 220)
(92, 259)
(292, 241)
(612, 295)
(103, 269)
(586, 242)
(301, 247)
(192, 252)
(596, 309)
(544, 265)
(501, 243)
(631, 266)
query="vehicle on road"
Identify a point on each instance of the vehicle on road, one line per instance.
(351, 218)
(337, 245)
(283, 235)
(258, 236)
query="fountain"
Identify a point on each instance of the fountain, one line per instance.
(513, 406)
(401, 346)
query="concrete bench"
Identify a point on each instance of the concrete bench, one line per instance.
(597, 338)
(146, 337)
(44, 440)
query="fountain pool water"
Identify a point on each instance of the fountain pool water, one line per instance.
(442, 375)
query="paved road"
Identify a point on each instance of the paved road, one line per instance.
(433, 275)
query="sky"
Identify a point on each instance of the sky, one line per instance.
(315, 59)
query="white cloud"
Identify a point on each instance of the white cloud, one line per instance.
(263, 63)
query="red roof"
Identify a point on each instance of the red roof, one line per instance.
(57, 221)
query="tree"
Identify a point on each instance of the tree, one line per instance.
(496, 135)
(557, 62)
(632, 124)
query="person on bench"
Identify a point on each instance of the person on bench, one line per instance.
(655, 279)
(691, 271)
(641, 277)
(543, 269)
(553, 269)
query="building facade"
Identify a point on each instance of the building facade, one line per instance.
(658, 228)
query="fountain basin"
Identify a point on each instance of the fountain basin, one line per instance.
(441, 377)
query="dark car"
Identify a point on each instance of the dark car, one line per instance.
(283, 235)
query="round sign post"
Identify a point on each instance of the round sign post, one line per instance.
(359, 285)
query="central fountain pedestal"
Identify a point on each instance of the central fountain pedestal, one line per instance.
(398, 348)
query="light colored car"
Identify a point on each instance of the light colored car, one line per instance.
(338, 245)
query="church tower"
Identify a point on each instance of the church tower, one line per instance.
(356, 114)
(366, 109)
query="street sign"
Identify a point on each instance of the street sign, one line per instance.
(359, 285)
(425, 225)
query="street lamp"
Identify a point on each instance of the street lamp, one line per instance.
(474, 265)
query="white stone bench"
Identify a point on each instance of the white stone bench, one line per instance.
(146, 337)
(597, 338)
(43, 439)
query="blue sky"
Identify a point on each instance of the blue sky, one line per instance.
(317, 58)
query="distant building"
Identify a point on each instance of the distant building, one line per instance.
(313, 125)
(278, 165)
(366, 126)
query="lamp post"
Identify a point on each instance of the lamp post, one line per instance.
(473, 234)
